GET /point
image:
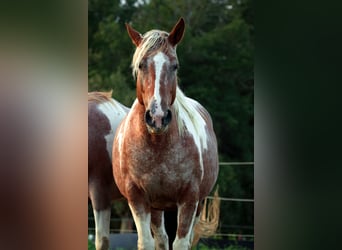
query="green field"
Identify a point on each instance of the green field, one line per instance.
(91, 246)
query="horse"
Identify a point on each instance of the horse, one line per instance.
(104, 116)
(165, 153)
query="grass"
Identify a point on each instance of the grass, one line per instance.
(202, 247)
(91, 246)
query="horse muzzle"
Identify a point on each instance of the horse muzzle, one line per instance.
(157, 124)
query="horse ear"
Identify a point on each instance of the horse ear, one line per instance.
(177, 32)
(134, 35)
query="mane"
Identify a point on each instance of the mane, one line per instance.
(100, 97)
(153, 40)
(190, 116)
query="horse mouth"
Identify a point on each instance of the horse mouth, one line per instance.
(157, 131)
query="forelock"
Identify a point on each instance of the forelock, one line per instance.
(153, 40)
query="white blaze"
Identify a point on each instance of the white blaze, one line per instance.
(159, 59)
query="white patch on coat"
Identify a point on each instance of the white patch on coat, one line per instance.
(159, 59)
(102, 221)
(190, 119)
(143, 223)
(115, 112)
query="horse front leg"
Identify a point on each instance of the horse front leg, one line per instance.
(142, 219)
(158, 229)
(186, 218)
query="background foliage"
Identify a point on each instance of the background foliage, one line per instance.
(216, 68)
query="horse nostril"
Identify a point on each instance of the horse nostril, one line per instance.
(167, 118)
(148, 118)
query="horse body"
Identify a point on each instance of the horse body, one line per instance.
(167, 161)
(165, 150)
(104, 116)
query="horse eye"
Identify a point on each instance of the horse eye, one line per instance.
(142, 65)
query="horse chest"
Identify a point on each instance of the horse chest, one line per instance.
(157, 169)
(164, 183)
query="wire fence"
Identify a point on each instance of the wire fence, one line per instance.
(246, 163)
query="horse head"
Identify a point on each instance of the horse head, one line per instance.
(155, 65)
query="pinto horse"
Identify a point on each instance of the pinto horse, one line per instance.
(165, 149)
(104, 116)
